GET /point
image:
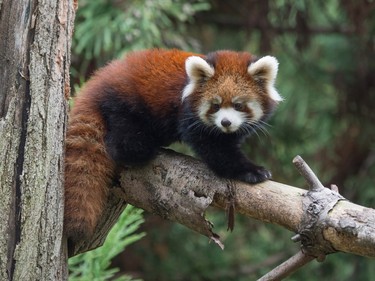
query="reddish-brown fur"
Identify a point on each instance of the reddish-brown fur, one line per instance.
(88, 172)
(88, 168)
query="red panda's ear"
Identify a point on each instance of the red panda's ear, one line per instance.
(197, 69)
(265, 70)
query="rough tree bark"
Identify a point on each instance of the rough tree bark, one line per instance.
(34, 78)
(181, 188)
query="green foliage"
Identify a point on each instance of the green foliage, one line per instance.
(95, 265)
(108, 28)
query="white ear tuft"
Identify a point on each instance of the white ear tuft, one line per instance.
(265, 69)
(196, 69)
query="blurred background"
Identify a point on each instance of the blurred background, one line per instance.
(326, 75)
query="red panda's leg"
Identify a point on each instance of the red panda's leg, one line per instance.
(130, 136)
(88, 173)
(225, 158)
(131, 146)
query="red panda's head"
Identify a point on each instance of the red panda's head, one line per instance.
(231, 90)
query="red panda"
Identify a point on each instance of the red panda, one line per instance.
(149, 99)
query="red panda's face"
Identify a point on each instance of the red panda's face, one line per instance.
(229, 112)
(233, 94)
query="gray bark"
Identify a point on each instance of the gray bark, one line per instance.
(181, 188)
(34, 78)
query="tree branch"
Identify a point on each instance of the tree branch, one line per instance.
(287, 267)
(181, 188)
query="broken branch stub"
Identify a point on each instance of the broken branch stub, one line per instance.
(304, 169)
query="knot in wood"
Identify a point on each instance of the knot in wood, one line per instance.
(316, 205)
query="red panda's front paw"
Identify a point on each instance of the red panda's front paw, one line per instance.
(259, 175)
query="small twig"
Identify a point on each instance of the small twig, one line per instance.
(304, 169)
(288, 267)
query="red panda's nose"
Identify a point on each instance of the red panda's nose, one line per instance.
(226, 123)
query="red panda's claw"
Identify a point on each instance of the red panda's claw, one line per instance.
(257, 176)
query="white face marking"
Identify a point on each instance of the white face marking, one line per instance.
(233, 117)
(256, 109)
(228, 119)
(203, 108)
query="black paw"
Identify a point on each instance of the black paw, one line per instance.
(258, 175)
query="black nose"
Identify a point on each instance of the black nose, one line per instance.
(225, 122)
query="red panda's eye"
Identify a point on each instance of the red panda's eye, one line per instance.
(239, 106)
(215, 107)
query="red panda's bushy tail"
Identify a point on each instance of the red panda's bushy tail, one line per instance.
(88, 173)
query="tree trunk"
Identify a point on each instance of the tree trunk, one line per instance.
(34, 78)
